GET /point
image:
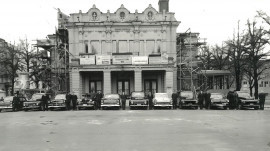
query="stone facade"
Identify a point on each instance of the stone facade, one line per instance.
(122, 51)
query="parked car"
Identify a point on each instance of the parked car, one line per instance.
(218, 100)
(162, 100)
(87, 102)
(138, 99)
(188, 100)
(34, 103)
(58, 102)
(246, 101)
(7, 103)
(111, 101)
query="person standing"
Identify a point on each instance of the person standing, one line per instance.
(2, 99)
(123, 99)
(150, 99)
(43, 100)
(207, 100)
(15, 102)
(200, 99)
(174, 99)
(230, 98)
(236, 103)
(68, 100)
(74, 99)
(99, 96)
(262, 100)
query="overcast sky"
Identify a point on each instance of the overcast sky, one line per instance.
(213, 19)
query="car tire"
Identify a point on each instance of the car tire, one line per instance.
(196, 108)
(256, 108)
(225, 108)
(25, 110)
(239, 107)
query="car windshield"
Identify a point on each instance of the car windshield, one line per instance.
(37, 96)
(216, 96)
(137, 95)
(243, 95)
(161, 95)
(60, 97)
(8, 99)
(111, 96)
(187, 94)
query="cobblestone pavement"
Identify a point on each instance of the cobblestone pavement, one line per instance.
(136, 130)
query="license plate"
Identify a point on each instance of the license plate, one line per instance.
(251, 104)
(84, 104)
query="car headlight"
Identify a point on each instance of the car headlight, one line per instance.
(37, 103)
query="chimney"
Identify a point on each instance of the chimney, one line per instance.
(163, 4)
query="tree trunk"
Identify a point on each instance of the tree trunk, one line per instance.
(256, 83)
(251, 90)
(237, 80)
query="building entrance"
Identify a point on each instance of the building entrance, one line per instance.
(150, 86)
(95, 86)
(123, 86)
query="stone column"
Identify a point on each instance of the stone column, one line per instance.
(76, 82)
(138, 80)
(169, 81)
(107, 82)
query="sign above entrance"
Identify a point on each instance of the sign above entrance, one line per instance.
(121, 59)
(103, 60)
(140, 60)
(87, 59)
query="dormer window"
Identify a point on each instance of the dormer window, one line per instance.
(150, 15)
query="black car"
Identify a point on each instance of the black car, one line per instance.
(137, 100)
(246, 101)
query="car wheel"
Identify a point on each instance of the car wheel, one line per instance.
(25, 110)
(239, 107)
(256, 108)
(225, 107)
(196, 108)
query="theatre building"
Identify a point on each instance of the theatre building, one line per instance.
(122, 51)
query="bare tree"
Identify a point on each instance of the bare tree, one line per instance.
(220, 58)
(236, 51)
(10, 61)
(257, 40)
(206, 56)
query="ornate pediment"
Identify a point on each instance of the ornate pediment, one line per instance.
(122, 13)
(94, 14)
(150, 13)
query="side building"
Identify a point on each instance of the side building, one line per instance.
(122, 52)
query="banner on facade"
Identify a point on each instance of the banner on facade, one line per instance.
(121, 59)
(158, 59)
(140, 60)
(87, 59)
(103, 59)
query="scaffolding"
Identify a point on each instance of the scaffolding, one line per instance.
(189, 65)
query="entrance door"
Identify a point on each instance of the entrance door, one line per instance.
(150, 86)
(123, 86)
(95, 86)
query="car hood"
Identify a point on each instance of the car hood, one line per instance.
(219, 100)
(28, 102)
(163, 99)
(58, 101)
(5, 103)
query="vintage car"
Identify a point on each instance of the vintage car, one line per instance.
(111, 101)
(87, 102)
(7, 103)
(188, 100)
(218, 100)
(162, 100)
(138, 99)
(246, 101)
(58, 102)
(34, 103)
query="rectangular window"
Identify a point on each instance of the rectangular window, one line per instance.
(265, 83)
(95, 45)
(86, 46)
(261, 84)
(123, 46)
